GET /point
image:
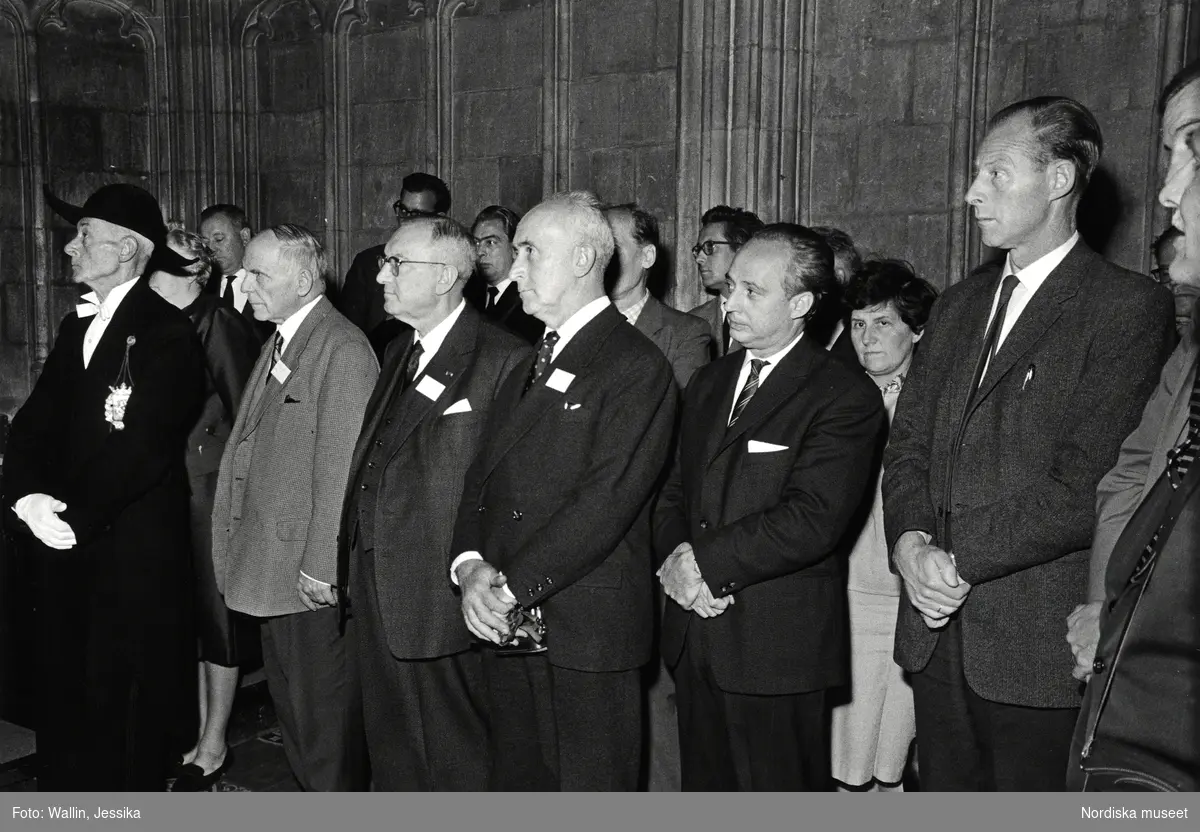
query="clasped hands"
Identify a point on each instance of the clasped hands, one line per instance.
(931, 579)
(487, 607)
(681, 580)
(40, 513)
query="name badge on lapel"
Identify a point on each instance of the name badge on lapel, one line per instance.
(560, 380)
(281, 372)
(430, 388)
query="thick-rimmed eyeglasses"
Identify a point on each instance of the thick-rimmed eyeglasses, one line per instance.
(409, 213)
(394, 263)
(708, 247)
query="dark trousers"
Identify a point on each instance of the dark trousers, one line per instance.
(314, 688)
(743, 742)
(554, 729)
(425, 719)
(967, 743)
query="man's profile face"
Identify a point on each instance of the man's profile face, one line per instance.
(410, 294)
(544, 248)
(1012, 193)
(228, 243)
(713, 267)
(759, 311)
(95, 250)
(494, 248)
(1180, 128)
(272, 283)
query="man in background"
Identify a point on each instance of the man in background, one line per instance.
(829, 323)
(227, 231)
(723, 230)
(492, 291)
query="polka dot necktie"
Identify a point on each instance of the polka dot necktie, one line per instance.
(545, 352)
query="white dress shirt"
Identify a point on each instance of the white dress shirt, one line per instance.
(1030, 279)
(239, 296)
(772, 360)
(501, 288)
(432, 341)
(566, 332)
(103, 314)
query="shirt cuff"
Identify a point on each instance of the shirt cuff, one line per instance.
(461, 559)
(314, 580)
(508, 592)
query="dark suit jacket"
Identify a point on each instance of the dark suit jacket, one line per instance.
(262, 329)
(710, 312)
(558, 497)
(406, 481)
(509, 312)
(843, 348)
(283, 474)
(769, 528)
(1066, 386)
(684, 339)
(360, 297)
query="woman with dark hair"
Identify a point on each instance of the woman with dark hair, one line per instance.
(228, 640)
(873, 731)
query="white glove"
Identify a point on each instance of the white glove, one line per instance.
(40, 513)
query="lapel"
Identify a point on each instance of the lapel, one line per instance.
(507, 302)
(389, 376)
(1043, 309)
(525, 411)
(1180, 407)
(267, 389)
(650, 322)
(966, 334)
(781, 385)
(445, 367)
(715, 407)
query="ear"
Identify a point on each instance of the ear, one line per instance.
(447, 277)
(584, 259)
(917, 336)
(1062, 176)
(305, 283)
(128, 249)
(647, 256)
(245, 235)
(799, 305)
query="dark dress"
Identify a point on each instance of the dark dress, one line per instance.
(231, 347)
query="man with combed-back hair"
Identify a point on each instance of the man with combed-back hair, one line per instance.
(554, 523)
(278, 503)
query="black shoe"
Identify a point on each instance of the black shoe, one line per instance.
(191, 778)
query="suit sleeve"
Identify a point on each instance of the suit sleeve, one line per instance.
(231, 349)
(907, 503)
(345, 390)
(627, 463)
(671, 525)
(167, 389)
(1120, 491)
(825, 488)
(691, 351)
(1055, 514)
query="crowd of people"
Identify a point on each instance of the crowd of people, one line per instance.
(492, 516)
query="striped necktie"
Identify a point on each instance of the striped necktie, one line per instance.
(743, 399)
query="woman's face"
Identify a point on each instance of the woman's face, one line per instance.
(883, 341)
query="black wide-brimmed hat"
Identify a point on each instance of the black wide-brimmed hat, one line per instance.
(129, 207)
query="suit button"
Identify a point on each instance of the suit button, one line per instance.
(363, 486)
(516, 515)
(549, 581)
(370, 464)
(378, 443)
(481, 509)
(387, 421)
(1098, 666)
(703, 524)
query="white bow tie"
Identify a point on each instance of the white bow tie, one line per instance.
(89, 305)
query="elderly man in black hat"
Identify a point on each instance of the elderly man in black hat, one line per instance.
(94, 471)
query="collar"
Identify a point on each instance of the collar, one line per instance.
(631, 314)
(431, 342)
(773, 359)
(578, 321)
(288, 328)
(893, 386)
(502, 286)
(90, 303)
(1035, 274)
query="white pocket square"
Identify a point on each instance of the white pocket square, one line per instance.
(756, 447)
(460, 406)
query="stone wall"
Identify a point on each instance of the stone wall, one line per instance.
(858, 113)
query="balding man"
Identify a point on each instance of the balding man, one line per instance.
(95, 472)
(278, 502)
(774, 461)
(421, 677)
(558, 498)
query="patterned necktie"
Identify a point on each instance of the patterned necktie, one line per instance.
(1179, 460)
(276, 353)
(414, 361)
(756, 365)
(493, 297)
(545, 352)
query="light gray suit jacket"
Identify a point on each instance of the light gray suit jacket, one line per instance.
(684, 339)
(283, 474)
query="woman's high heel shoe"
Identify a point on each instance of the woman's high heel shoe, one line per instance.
(191, 777)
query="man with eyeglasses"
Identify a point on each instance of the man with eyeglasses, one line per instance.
(492, 291)
(723, 230)
(361, 297)
(421, 675)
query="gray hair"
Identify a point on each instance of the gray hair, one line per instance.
(301, 248)
(196, 248)
(586, 215)
(453, 242)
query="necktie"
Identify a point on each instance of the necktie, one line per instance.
(414, 361)
(227, 295)
(756, 365)
(992, 338)
(493, 297)
(276, 353)
(724, 346)
(545, 352)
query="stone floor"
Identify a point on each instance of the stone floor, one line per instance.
(259, 763)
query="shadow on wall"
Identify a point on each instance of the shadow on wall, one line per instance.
(1100, 210)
